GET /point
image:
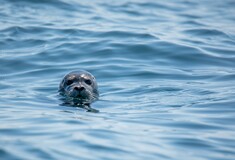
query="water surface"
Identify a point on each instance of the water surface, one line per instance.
(166, 74)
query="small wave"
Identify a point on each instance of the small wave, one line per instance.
(205, 32)
(53, 3)
(125, 34)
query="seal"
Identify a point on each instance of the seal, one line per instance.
(79, 88)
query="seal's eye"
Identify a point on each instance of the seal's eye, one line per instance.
(69, 82)
(87, 81)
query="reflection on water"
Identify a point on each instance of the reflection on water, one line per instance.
(165, 72)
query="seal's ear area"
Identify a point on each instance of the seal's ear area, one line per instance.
(96, 93)
(61, 87)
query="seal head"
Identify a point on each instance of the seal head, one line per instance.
(79, 87)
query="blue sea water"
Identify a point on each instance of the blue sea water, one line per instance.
(165, 70)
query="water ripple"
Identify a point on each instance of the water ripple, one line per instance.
(165, 72)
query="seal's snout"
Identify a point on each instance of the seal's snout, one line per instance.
(79, 88)
(80, 92)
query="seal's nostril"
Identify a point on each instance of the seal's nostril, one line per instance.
(79, 88)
